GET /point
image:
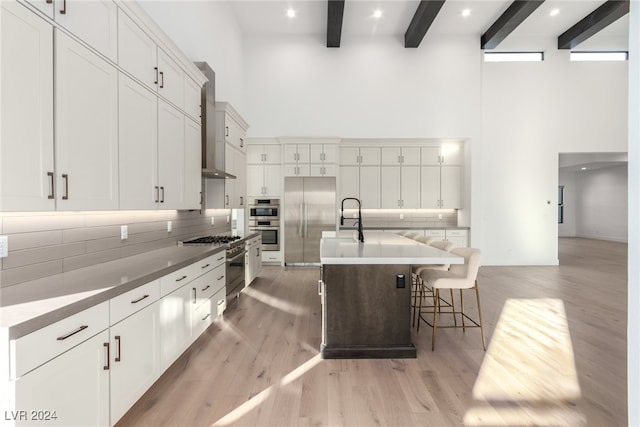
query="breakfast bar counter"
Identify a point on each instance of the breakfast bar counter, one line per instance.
(366, 293)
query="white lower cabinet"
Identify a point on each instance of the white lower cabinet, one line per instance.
(135, 360)
(70, 390)
(175, 321)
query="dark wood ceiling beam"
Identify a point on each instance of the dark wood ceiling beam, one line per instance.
(423, 18)
(335, 12)
(515, 14)
(604, 15)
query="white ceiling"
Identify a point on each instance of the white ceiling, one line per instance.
(268, 17)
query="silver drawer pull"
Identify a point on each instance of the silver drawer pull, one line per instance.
(80, 329)
(207, 287)
(205, 266)
(139, 299)
(181, 279)
(221, 277)
(206, 317)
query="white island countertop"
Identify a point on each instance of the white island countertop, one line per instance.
(380, 248)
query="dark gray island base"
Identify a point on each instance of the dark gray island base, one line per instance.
(366, 311)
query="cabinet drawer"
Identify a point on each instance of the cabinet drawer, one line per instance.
(456, 233)
(178, 278)
(136, 299)
(438, 234)
(219, 302)
(208, 284)
(209, 263)
(38, 347)
(201, 320)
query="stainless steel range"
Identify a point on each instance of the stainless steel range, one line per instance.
(235, 251)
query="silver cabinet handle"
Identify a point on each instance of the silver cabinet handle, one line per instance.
(221, 277)
(75, 331)
(156, 70)
(205, 288)
(241, 142)
(118, 349)
(226, 131)
(157, 194)
(108, 359)
(161, 79)
(162, 192)
(194, 295)
(206, 317)
(205, 266)
(65, 178)
(181, 279)
(52, 184)
(221, 258)
(135, 301)
(241, 200)
(227, 199)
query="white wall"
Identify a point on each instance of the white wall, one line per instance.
(206, 31)
(531, 112)
(596, 203)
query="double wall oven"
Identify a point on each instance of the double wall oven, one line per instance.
(264, 218)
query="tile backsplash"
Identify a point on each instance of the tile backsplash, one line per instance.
(412, 218)
(43, 244)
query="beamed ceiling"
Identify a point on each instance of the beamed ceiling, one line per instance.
(498, 24)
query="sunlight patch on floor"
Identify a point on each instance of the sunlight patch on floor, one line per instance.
(528, 376)
(255, 401)
(274, 302)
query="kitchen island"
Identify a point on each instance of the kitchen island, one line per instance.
(366, 293)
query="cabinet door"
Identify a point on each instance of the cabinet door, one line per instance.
(255, 180)
(451, 187)
(192, 98)
(410, 156)
(430, 156)
(86, 128)
(390, 156)
(138, 145)
(170, 80)
(255, 154)
(272, 153)
(137, 52)
(304, 153)
(135, 358)
(370, 156)
(330, 153)
(240, 161)
(430, 187)
(192, 164)
(410, 187)
(75, 385)
(171, 157)
(175, 325)
(95, 22)
(452, 154)
(390, 188)
(349, 156)
(273, 180)
(290, 153)
(26, 134)
(349, 182)
(370, 187)
(45, 6)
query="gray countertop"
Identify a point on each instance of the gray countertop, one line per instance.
(33, 305)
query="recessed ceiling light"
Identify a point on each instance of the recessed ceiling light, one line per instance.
(466, 12)
(554, 12)
(291, 13)
(377, 13)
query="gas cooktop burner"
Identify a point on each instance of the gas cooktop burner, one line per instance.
(220, 240)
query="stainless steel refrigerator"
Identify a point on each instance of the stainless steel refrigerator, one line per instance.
(309, 209)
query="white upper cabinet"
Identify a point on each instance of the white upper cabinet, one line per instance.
(396, 156)
(138, 135)
(170, 79)
(263, 153)
(192, 99)
(171, 157)
(192, 164)
(26, 139)
(230, 126)
(296, 153)
(445, 154)
(95, 22)
(86, 128)
(137, 52)
(323, 153)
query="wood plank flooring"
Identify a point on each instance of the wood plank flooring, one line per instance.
(260, 365)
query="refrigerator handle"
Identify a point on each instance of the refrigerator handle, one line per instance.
(300, 229)
(306, 219)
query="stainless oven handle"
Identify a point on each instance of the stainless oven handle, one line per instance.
(306, 219)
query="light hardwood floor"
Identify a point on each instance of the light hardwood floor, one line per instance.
(259, 366)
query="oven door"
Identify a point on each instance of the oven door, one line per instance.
(264, 212)
(235, 274)
(270, 237)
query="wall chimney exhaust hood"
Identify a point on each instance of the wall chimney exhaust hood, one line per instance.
(212, 150)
